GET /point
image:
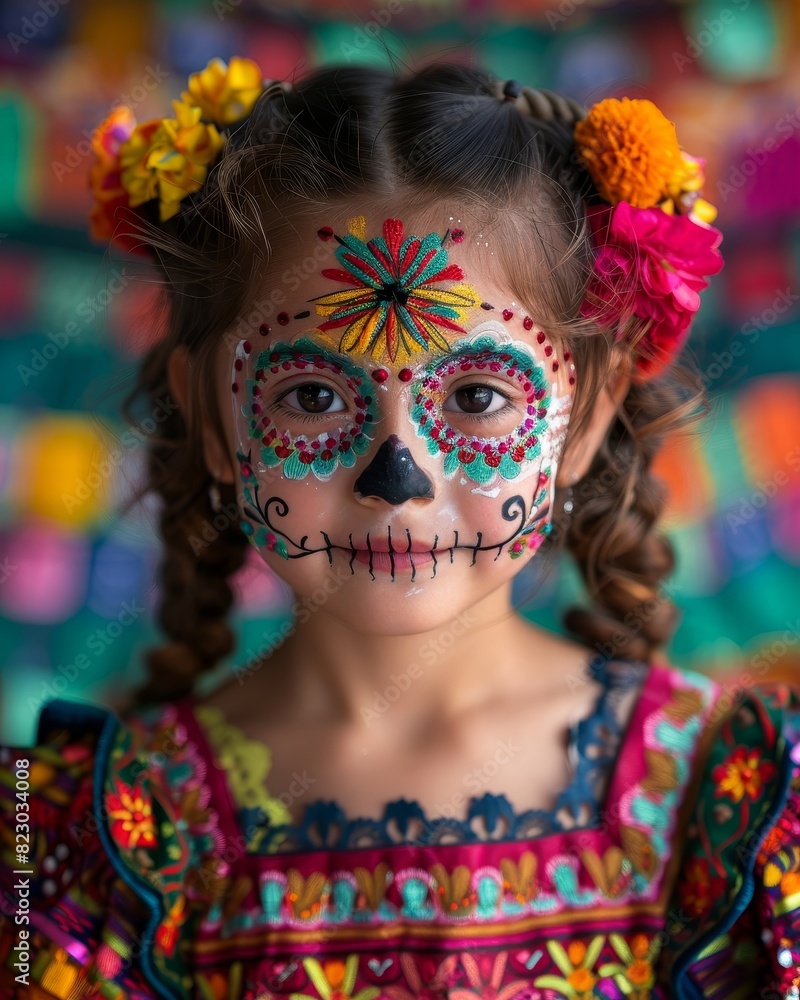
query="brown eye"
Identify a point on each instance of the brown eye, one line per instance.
(313, 398)
(476, 399)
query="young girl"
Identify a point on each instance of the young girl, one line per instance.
(422, 332)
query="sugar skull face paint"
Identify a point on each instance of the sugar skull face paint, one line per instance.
(273, 419)
(418, 426)
(481, 458)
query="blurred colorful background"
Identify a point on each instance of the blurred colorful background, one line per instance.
(78, 579)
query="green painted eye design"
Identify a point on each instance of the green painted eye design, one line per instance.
(300, 454)
(481, 459)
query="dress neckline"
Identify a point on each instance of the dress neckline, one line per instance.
(242, 765)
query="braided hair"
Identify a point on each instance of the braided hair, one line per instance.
(444, 131)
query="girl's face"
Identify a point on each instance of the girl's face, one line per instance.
(395, 420)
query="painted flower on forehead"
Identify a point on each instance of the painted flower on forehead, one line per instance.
(394, 306)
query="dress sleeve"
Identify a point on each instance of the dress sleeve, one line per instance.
(777, 884)
(65, 916)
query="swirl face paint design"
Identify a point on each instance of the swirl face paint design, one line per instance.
(301, 454)
(483, 459)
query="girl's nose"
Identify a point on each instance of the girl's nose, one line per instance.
(393, 475)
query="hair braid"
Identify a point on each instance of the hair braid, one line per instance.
(612, 531)
(201, 551)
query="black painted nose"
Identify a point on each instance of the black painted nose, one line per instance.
(393, 475)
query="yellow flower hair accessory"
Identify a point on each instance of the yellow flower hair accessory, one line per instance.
(172, 162)
(168, 159)
(225, 94)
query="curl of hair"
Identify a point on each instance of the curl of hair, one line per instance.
(437, 134)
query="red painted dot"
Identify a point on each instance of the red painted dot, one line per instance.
(264, 329)
(235, 387)
(507, 314)
(325, 233)
(256, 407)
(540, 337)
(405, 374)
(527, 323)
(555, 366)
(380, 375)
(567, 355)
(247, 347)
(572, 380)
(238, 364)
(457, 235)
(548, 350)
(283, 318)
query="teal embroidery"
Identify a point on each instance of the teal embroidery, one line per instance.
(482, 459)
(300, 454)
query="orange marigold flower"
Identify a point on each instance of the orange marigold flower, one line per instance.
(630, 149)
(225, 94)
(104, 173)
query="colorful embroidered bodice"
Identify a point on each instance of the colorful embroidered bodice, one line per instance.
(146, 881)
(592, 749)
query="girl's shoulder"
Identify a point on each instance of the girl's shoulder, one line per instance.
(738, 871)
(106, 823)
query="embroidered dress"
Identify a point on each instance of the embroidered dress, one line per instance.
(162, 867)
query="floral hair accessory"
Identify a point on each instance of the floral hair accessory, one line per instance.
(168, 159)
(653, 239)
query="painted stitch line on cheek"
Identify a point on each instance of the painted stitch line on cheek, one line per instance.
(270, 422)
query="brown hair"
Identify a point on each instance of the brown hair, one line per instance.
(439, 133)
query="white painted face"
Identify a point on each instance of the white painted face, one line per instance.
(411, 438)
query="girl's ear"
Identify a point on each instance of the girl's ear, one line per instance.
(216, 457)
(579, 455)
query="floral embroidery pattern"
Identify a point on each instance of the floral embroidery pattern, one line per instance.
(335, 980)
(131, 816)
(392, 308)
(576, 964)
(744, 773)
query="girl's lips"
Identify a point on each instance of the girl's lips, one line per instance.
(385, 560)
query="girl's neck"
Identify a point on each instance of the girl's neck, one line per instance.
(328, 674)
